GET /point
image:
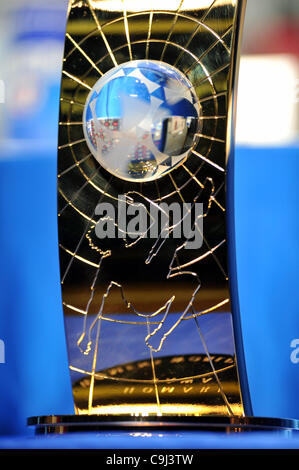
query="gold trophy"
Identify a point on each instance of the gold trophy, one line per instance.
(145, 216)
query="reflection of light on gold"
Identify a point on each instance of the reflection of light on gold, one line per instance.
(267, 108)
(80, 27)
(145, 5)
(177, 409)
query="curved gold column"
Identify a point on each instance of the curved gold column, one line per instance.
(149, 324)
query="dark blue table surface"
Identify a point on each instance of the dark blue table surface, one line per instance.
(147, 439)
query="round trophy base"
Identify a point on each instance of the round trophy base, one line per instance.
(83, 423)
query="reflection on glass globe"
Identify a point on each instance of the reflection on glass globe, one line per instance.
(140, 120)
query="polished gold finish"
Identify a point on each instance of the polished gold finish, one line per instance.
(129, 350)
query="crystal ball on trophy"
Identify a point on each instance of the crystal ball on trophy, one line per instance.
(140, 119)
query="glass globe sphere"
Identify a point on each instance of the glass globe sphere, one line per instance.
(140, 120)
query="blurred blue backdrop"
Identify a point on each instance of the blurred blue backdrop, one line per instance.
(267, 239)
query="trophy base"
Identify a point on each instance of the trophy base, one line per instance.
(65, 424)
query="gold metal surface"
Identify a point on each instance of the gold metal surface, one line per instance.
(115, 303)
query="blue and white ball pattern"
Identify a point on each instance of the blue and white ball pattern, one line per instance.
(140, 120)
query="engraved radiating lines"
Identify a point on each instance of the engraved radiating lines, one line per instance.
(70, 144)
(193, 176)
(158, 199)
(96, 343)
(92, 291)
(207, 51)
(213, 197)
(74, 309)
(94, 363)
(75, 165)
(208, 310)
(210, 250)
(213, 368)
(127, 29)
(79, 191)
(214, 96)
(71, 123)
(200, 313)
(208, 10)
(100, 375)
(212, 138)
(71, 102)
(209, 137)
(154, 373)
(178, 321)
(129, 305)
(181, 48)
(201, 23)
(76, 79)
(207, 160)
(150, 22)
(175, 19)
(112, 320)
(84, 54)
(176, 187)
(211, 75)
(179, 14)
(199, 258)
(70, 204)
(102, 33)
(202, 118)
(89, 221)
(175, 256)
(80, 258)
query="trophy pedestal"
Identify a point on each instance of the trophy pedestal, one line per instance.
(65, 424)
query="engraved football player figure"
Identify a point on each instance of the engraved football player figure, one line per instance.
(152, 219)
